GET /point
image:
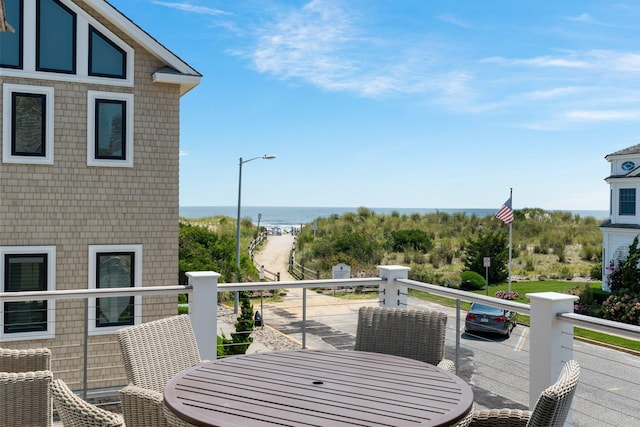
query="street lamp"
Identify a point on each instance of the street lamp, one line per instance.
(240, 163)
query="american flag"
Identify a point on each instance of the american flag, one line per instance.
(505, 213)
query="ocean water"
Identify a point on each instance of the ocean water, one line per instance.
(286, 217)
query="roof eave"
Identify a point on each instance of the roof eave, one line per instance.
(190, 75)
(186, 82)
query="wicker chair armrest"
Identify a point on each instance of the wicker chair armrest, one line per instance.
(26, 398)
(76, 412)
(35, 359)
(142, 407)
(500, 418)
(447, 365)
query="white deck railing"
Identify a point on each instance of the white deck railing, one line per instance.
(550, 333)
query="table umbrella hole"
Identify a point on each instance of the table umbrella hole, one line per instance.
(318, 382)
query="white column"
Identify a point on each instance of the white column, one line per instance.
(551, 340)
(392, 294)
(203, 311)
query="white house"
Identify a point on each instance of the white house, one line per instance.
(623, 224)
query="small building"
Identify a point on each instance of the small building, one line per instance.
(623, 224)
(89, 178)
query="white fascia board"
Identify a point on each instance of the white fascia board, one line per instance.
(186, 82)
(136, 33)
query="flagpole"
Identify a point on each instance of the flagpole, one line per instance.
(510, 237)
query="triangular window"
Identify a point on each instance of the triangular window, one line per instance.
(106, 59)
(58, 40)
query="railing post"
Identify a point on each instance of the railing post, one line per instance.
(551, 340)
(203, 310)
(391, 293)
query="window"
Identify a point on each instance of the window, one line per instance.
(28, 125)
(28, 113)
(110, 129)
(106, 59)
(627, 201)
(55, 37)
(110, 140)
(26, 268)
(11, 42)
(58, 40)
(114, 266)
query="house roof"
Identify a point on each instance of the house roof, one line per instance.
(635, 149)
(608, 224)
(176, 70)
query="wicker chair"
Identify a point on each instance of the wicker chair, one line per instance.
(25, 398)
(76, 412)
(466, 420)
(153, 353)
(550, 411)
(416, 334)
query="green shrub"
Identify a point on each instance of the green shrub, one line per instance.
(419, 258)
(451, 282)
(241, 338)
(403, 240)
(622, 308)
(471, 281)
(529, 265)
(591, 300)
(596, 271)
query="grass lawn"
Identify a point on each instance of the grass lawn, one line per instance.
(526, 287)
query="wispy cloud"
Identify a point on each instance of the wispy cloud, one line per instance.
(328, 45)
(540, 61)
(554, 93)
(450, 19)
(187, 7)
(604, 115)
(590, 59)
(184, 153)
(584, 17)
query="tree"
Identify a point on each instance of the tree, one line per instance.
(241, 339)
(491, 244)
(625, 275)
(202, 249)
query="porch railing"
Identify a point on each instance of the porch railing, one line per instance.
(550, 333)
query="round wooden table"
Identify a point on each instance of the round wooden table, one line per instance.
(318, 388)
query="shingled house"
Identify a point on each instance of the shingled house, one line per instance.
(89, 176)
(623, 224)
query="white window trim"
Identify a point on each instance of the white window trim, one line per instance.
(82, 53)
(92, 95)
(51, 286)
(7, 111)
(137, 300)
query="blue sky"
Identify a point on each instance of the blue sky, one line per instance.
(401, 104)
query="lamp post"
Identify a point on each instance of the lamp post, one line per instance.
(240, 163)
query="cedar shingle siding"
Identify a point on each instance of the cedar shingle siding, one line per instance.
(70, 205)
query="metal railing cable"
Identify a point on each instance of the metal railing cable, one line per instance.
(316, 313)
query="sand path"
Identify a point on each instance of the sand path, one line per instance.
(275, 255)
(331, 322)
